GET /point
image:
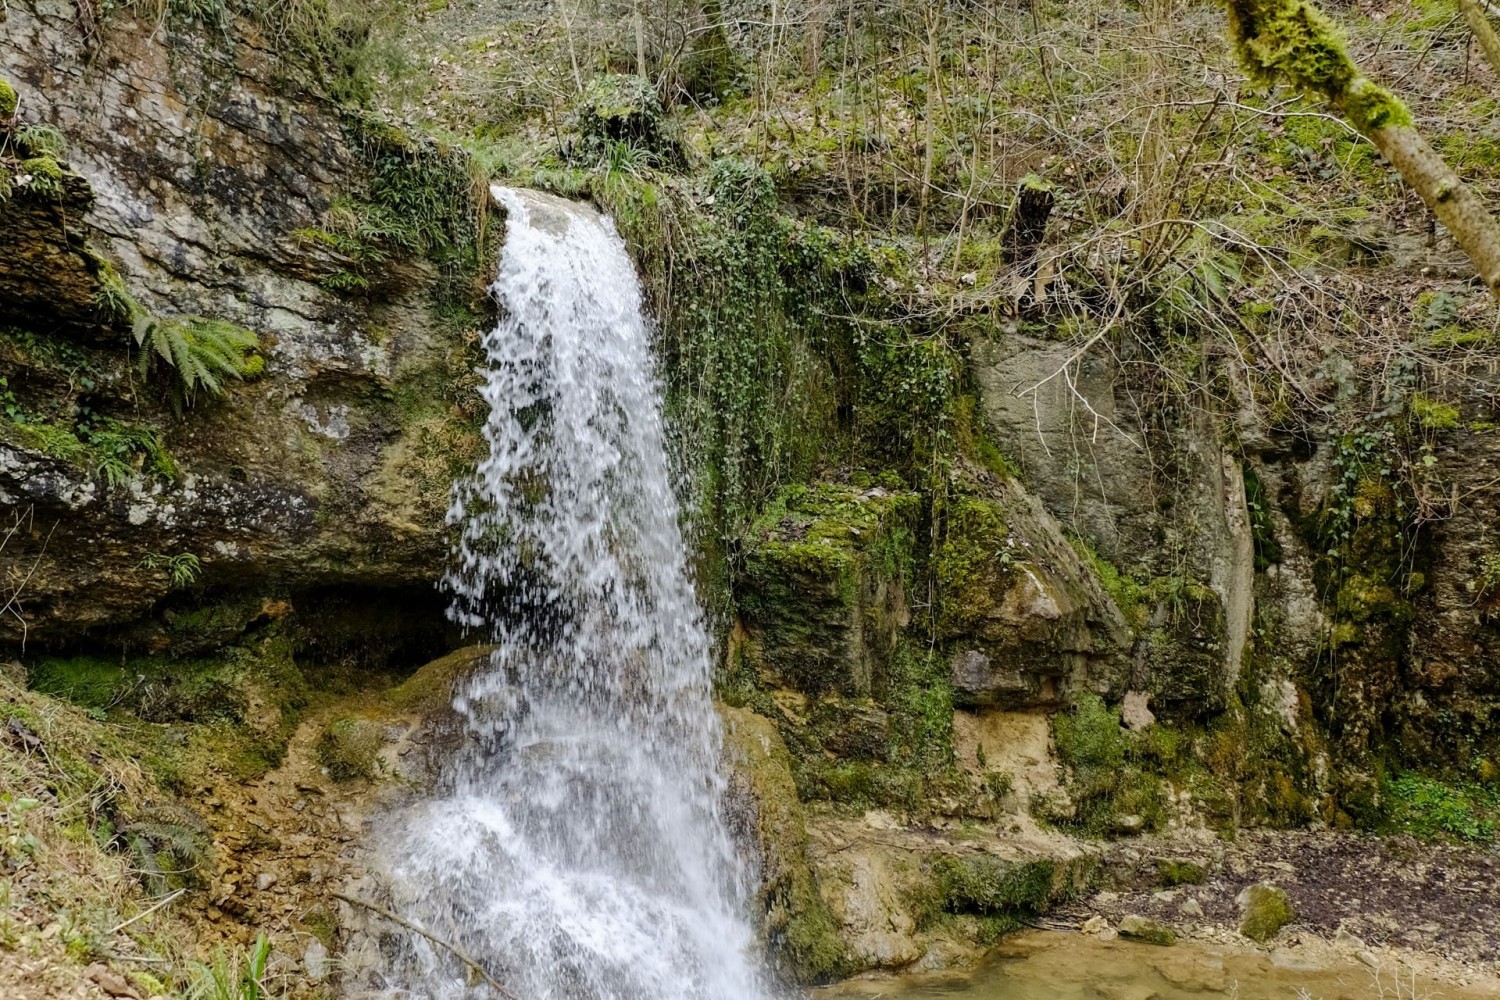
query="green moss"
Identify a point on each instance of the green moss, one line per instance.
(1294, 41)
(350, 748)
(1371, 107)
(1436, 810)
(971, 561)
(803, 937)
(424, 198)
(1180, 871)
(1111, 773)
(8, 100)
(46, 176)
(984, 884)
(1266, 909)
(1291, 40)
(1433, 415)
(1138, 928)
(821, 568)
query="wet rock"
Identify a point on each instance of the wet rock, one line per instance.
(1264, 910)
(1139, 928)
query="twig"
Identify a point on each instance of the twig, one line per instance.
(452, 949)
(146, 913)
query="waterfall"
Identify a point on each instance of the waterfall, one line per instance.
(577, 849)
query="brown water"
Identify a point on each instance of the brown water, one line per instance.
(1054, 966)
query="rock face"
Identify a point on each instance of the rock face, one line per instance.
(197, 188)
(1159, 500)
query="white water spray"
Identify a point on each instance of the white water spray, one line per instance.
(580, 854)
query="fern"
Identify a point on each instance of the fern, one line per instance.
(205, 353)
(170, 846)
(40, 140)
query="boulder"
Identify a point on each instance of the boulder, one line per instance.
(1138, 928)
(1264, 910)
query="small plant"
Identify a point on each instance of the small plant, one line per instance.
(170, 847)
(240, 976)
(1432, 809)
(181, 569)
(1487, 581)
(204, 353)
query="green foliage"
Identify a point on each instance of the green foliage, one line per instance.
(241, 975)
(8, 100)
(181, 569)
(1110, 772)
(1487, 580)
(36, 139)
(170, 847)
(1180, 871)
(40, 177)
(202, 353)
(619, 112)
(982, 883)
(751, 353)
(1436, 810)
(425, 199)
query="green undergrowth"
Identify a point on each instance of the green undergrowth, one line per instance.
(425, 200)
(1432, 809)
(1004, 895)
(1113, 774)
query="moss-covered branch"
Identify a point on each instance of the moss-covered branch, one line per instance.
(1484, 32)
(1294, 42)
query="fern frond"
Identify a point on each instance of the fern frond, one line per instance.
(204, 352)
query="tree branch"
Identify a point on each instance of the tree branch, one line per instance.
(1293, 41)
(452, 949)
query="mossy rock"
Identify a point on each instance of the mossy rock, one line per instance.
(623, 109)
(1264, 910)
(8, 100)
(822, 585)
(1181, 871)
(984, 884)
(1138, 928)
(802, 935)
(350, 748)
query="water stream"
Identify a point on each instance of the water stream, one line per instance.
(576, 848)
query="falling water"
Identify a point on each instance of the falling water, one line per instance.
(580, 853)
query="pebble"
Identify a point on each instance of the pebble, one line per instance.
(264, 881)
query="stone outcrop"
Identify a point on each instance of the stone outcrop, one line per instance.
(197, 186)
